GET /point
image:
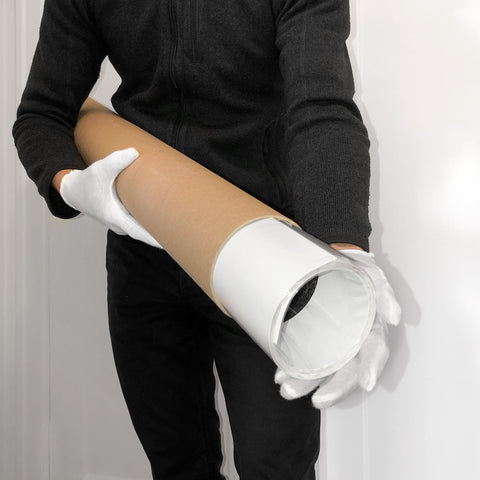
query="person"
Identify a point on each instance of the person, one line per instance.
(260, 92)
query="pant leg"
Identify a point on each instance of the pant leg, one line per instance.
(164, 362)
(274, 439)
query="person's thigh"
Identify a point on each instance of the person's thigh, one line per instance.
(274, 439)
(164, 363)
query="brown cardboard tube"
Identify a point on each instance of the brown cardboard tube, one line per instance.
(188, 209)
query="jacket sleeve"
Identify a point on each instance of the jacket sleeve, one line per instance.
(327, 158)
(65, 67)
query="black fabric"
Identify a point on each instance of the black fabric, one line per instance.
(166, 333)
(259, 91)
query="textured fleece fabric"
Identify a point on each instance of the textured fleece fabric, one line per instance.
(259, 91)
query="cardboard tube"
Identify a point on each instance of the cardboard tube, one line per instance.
(251, 260)
(188, 209)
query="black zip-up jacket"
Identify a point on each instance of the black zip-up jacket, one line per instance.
(259, 91)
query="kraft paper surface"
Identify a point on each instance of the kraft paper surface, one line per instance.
(188, 209)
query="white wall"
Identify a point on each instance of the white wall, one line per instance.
(23, 260)
(417, 68)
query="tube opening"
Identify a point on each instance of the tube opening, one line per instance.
(324, 323)
(301, 298)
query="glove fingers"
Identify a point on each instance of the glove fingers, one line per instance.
(119, 215)
(387, 306)
(340, 384)
(292, 388)
(373, 356)
(130, 225)
(280, 376)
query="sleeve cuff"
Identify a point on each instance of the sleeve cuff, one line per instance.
(57, 205)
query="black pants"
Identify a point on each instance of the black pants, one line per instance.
(166, 334)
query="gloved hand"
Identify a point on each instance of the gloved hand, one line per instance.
(365, 368)
(92, 191)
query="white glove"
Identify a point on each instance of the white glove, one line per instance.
(92, 191)
(365, 368)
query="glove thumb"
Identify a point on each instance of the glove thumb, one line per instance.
(119, 160)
